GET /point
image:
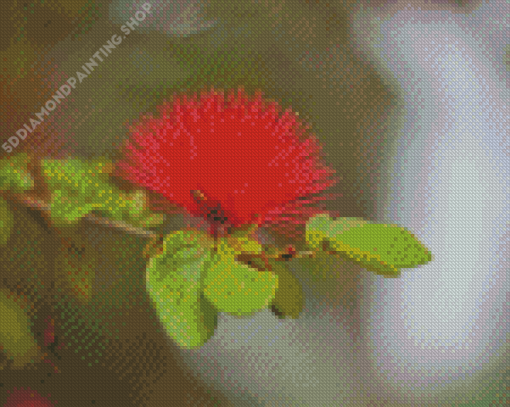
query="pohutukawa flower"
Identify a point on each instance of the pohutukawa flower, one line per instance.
(232, 159)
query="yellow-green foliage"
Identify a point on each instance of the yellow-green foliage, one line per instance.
(16, 338)
(288, 300)
(234, 287)
(174, 285)
(80, 187)
(14, 174)
(381, 248)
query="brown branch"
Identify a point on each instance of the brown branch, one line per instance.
(42, 206)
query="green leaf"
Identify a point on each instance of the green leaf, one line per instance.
(174, 284)
(288, 300)
(235, 287)
(14, 174)
(242, 243)
(80, 187)
(16, 339)
(66, 210)
(321, 227)
(6, 221)
(384, 249)
(138, 213)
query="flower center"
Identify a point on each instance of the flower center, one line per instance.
(208, 209)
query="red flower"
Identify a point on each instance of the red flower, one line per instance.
(26, 398)
(250, 163)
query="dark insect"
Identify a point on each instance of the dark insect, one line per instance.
(213, 213)
(210, 210)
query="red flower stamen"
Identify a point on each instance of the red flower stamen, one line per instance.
(249, 164)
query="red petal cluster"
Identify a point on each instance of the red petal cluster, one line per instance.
(238, 151)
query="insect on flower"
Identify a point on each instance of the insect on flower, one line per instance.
(211, 211)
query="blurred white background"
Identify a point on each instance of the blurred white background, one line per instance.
(437, 335)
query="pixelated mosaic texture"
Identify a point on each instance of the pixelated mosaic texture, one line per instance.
(103, 346)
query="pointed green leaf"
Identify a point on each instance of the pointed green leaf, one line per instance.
(174, 284)
(14, 174)
(6, 221)
(288, 300)
(384, 249)
(235, 287)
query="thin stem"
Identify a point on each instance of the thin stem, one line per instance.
(98, 220)
(42, 206)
